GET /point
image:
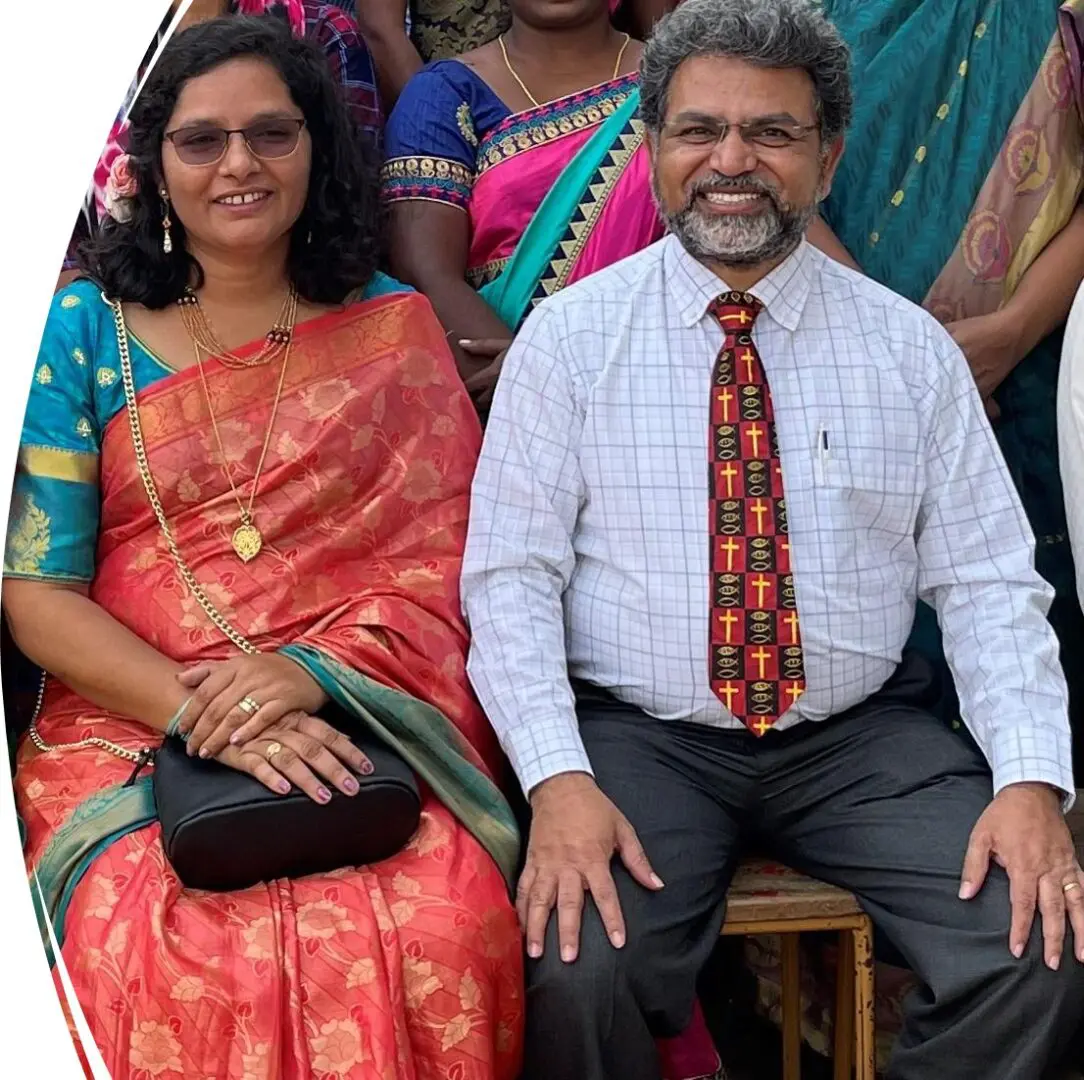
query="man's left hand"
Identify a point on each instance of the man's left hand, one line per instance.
(1024, 831)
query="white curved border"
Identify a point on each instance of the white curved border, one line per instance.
(65, 69)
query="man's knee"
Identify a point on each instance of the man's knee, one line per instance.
(604, 981)
(585, 987)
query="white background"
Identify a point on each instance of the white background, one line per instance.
(65, 69)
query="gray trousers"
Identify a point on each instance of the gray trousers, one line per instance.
(881, 801)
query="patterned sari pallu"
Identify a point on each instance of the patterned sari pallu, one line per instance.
(410, 968)
(553, 193)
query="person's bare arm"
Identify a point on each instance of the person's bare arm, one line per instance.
(67, 634)
(429, 247)
(383, 26)
(821, 236)
(1045, 294)
(994, 344)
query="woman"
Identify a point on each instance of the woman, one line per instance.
(967, 200)
(324, 24)
(315, 480)
(517, 169)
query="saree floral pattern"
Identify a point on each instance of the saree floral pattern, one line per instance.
(408, 969)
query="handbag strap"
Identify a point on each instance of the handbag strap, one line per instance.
(212, 613)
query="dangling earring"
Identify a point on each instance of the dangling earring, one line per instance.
(167, 238)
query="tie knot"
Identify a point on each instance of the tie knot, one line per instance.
(737, 311)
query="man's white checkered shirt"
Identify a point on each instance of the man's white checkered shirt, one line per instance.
(589, 544)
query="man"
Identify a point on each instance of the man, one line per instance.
(716, 478)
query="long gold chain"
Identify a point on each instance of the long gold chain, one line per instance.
(134, 756)
(523, 86)
(247, 539)
(245, 512)
(142, 464)
(235, 637)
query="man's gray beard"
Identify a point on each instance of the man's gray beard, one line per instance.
(740, 239)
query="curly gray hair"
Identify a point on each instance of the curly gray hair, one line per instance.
(770, 33)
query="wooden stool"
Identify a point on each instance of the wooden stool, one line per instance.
(768, 898)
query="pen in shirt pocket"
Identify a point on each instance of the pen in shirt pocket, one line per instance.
(824, 454)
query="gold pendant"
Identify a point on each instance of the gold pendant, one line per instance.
(247, 541)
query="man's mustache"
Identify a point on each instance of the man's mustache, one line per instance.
(717, 182)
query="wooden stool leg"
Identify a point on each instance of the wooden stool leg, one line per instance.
(792, 1008)
(865, 1023)
(843, 1028)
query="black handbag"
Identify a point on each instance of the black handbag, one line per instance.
(223, 830)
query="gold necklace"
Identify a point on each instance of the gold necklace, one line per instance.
(199, 329)
(247, 540)
(523, 86)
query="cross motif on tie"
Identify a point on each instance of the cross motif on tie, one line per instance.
(747, 677)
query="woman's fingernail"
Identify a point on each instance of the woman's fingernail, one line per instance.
(284, 787)
(534, 950)
(323, 794)
(656, 881)
(204, 752)
(1018, 951)
(1053, 962)
(568, 954)
(235, 738)
(367, 768)
(617, 939)
(350, 786)
(965, 890)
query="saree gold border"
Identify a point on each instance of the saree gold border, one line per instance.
(619, 160)
(494, 151)
(955, 278)
(50, 463)
(1057, 209)
(358, 341)
(487, 272)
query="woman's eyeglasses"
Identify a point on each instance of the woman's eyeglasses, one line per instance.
(266, 139)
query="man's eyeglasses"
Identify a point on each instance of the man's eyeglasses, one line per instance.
(200, 144)
(704, 133)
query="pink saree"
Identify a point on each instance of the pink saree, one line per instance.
(522, 158)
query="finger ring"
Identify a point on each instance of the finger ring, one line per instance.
(247, 705)
(1069, 886)
(272, 749)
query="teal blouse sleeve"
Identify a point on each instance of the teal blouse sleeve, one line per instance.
(53, 527)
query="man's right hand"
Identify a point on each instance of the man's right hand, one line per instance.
(575, 832)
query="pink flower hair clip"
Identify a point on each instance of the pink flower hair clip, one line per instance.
(121, 189)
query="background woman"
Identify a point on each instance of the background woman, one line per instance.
(316, 482)
(966, 198)
(497, 181)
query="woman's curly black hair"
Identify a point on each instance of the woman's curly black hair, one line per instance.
(342, 210)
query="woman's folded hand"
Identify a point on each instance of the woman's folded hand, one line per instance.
(300, 751)
(235, 700)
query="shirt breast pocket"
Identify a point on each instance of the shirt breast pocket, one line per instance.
(872, 482)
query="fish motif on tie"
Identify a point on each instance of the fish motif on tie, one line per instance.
(756, 666)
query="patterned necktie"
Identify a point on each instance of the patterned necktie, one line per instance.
(756, 653)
